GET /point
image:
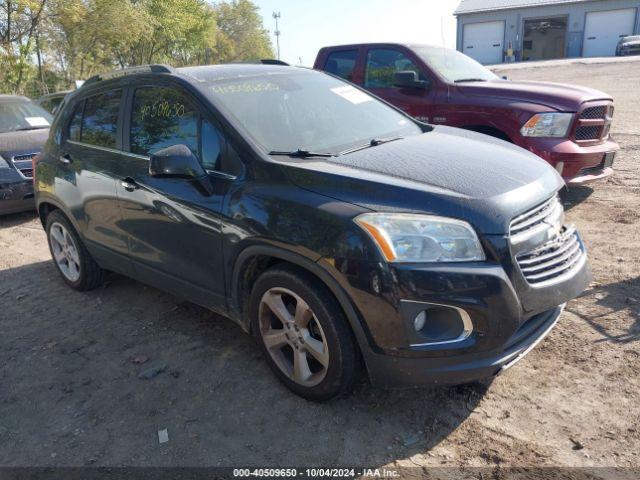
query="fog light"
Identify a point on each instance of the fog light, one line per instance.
(559, 167)
(420, 320)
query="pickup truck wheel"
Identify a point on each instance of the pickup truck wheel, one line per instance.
(76, 266)
(304, 335)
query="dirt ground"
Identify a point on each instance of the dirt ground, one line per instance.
(69, 363)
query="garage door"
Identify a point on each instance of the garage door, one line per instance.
(484, 41)
(602, 31)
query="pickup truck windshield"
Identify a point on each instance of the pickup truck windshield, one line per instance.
(22, 115)
(306, 111)
(454, 66)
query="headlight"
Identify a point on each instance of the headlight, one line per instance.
(3, 163)
(403, 237)
(547, 125)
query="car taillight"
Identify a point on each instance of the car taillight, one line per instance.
(34, 161)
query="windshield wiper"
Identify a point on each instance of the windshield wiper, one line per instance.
(470, 80)
(374, 142)
(300, 153)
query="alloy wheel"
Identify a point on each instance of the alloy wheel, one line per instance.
(293, 336)
(65, 252)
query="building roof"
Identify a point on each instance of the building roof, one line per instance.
(472, 6)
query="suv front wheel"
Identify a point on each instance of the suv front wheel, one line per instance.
(304, 334)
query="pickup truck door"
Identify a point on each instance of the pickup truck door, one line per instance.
(379, 67)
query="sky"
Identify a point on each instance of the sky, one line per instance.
(308, 25)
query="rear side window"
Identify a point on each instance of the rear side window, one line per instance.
(382, 63)
(100, 119)
(162, 117)
(342, 63)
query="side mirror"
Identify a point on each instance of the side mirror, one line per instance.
(175, 161)
(409, 79)
(178, 161)
(504, 77)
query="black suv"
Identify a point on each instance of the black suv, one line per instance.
(335, 228)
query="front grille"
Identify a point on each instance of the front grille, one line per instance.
(553, 259)
(24, 164)
(535, 216)
(593, 123)
(24, 158)
(588, 133)
(594, 112)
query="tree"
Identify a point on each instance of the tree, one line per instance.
(19, 21)
(242, 35)
(72, 40)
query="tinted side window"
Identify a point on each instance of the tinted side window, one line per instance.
(383, 63)
(100, 119)
(342, 63)
(76, 122)
(161, 117)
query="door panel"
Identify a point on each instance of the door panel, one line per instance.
(174, 229)
(484, 41)
(88, 166)
(173, 224)
(603, 30)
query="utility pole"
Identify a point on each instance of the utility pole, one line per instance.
(276, 16)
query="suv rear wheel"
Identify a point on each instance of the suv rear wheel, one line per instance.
(76, 266)
(304, 334)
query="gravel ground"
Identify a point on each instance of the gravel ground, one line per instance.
(69, 363)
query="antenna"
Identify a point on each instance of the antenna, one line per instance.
(276, 16)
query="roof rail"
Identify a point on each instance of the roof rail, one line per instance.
(273, 61)
(158, 68)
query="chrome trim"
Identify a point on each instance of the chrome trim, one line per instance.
(13, 160)
(226, 176)
(519, 356)
(467, 325)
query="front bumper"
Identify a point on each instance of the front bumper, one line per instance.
(16, 197)
(580, 164)
(508, 315)
(393, 372)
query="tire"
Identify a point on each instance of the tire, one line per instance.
(76, 267)
(326, 342)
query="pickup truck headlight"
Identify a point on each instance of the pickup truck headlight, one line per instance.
(3, 163)
(409, 238)
(547, 125)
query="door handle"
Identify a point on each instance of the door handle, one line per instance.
(129, 184)
(66, 159)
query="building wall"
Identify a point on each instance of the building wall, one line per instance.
(577, 12)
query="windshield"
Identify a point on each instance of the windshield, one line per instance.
(307, 110)
(22, 115)
(453, 65)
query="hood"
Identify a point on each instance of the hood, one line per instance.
(559, 96)
(448, 172)
(23, 142)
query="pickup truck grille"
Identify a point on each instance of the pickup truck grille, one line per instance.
(594, 112)
(553, 259)
(593, 123)
(23, 164)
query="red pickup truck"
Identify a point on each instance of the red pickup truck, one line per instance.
(566, 125)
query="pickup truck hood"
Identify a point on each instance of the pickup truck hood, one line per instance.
(566, 98)
(448, 172)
